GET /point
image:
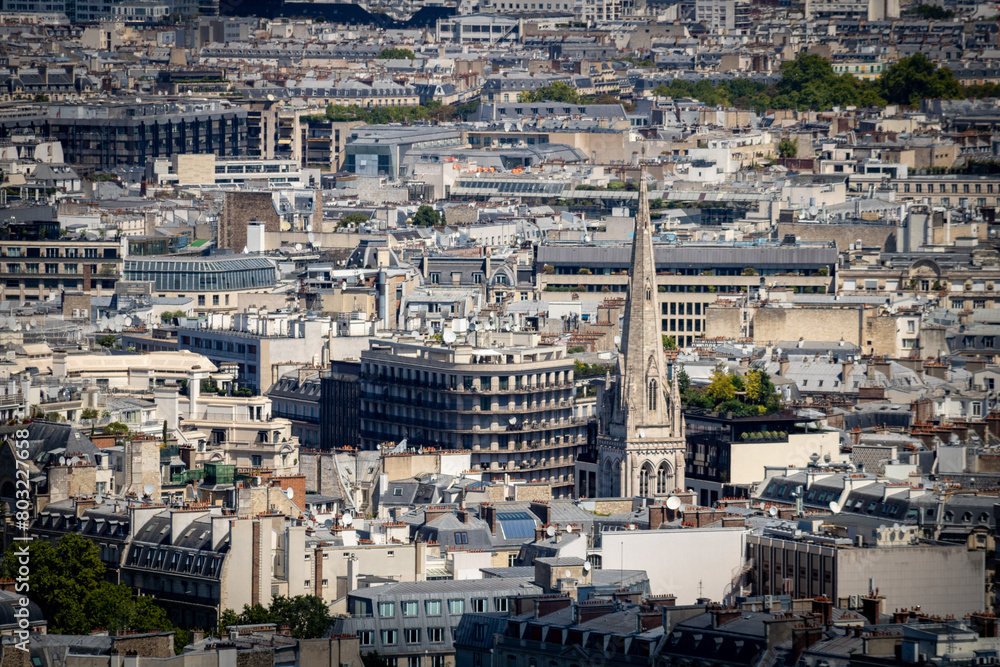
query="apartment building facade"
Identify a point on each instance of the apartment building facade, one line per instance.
(37, 262)
(513, 407)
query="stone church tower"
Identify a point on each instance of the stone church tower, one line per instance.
(641, 446)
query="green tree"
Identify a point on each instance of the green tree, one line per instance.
(396, 54)
(683, 380)
(61, 578)
(116, 608)
(353, 219)
(805, 71)
(669, 342)
(107, 341)
(91, 415)
(557, 91)
(116, 428)
(307, 616)
(929, 12)
(426, 216)
(721, 387)
(912, 79)
(788, 148)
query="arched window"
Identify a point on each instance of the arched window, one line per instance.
(645, 472)
(664, 478)
(651, 395)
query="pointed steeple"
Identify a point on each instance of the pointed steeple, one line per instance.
(645, 398)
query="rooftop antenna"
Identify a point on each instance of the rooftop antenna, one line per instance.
(773, 511)
(347, 519)
(450, 337)
(673, 502)
(148, 489)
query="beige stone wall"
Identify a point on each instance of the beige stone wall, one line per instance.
(340, 301)
(879, 336)
(723, 322)
(881, 236)
(150, 646)
(192, 169)
(524, 492)
(771, 325)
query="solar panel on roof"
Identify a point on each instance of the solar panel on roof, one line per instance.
(516, 525)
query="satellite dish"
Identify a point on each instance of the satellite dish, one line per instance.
(773, 511)
(834, 507)
(270, 97)
(290, 493)
(673, 502)
(512, 421)
(567, 574)
(149, 488)
(328, 523)
(347, 519)
(73, 461)
(99, 500)
(298, 246)
(138, 100)
(119, 320)
(62, 460)
(618, 340)
(895, 526)
(450, 337)
(587, 566)
(550, 531)
(309, 228)
(641, 433)
(415, 335)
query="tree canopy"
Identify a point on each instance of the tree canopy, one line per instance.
(426, 216)
(432, 110)
(912, 79)
(928, 12)
(809, 82)
(307, 616)
(352, 219)
(67, 583)
(557, 91)
(396, 54)
(752, 394)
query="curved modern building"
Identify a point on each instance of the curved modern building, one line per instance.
(212, 279)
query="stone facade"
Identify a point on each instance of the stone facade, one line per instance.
(240, 208)
(641, 447)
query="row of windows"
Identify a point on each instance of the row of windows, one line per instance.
(410, 636)
(435, 607)
(943, 188)
(469, 382)
(50, 253)
(219, 345)
(180, 279)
